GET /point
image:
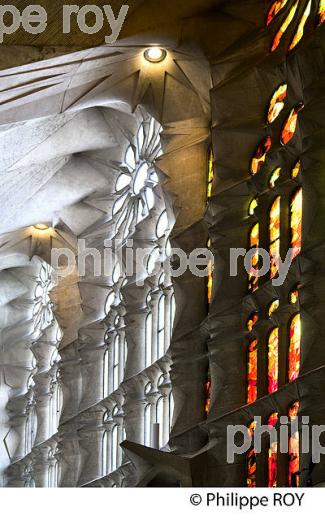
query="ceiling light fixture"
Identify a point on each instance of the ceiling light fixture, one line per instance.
(155, 54)
(41, 227)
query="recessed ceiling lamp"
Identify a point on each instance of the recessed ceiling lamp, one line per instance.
(155, 54)
(41, 227)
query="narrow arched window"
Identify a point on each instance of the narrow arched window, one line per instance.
(160, 420)
(296, 223)
(106, 374)
(161, 326)
(273, 452)
(273, 361)
(114, 448)
(252, 372)
(294, 348)
(294, 447)
(148, 340)
(116, 362)
(275, 236)
(254, 244)
(105, 454)
(172, 313)
(147, 425)
(251, 459)
(171, 410)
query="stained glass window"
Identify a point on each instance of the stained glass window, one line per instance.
(252, 207)
(254, 243)
(294, 348)
(275, 9)
(252, 372)
(273, 361)
(296, 223)
(284, 26)
(294, 447)
(251, 459)
(260, 155)
(210, 277)
(277, 103)
(300, 31)
(294, 295)
(275, 236)
(290, 125)
(210, 174)
(274, 307)
(274, 177)
(252, 321)
(207, 393)
(321, 12)
(296, 170)
(273, 455)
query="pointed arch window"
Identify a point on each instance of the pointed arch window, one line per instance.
(277, 103)
(289, 18)
(273, 453)
(106, 373)
(275, 236)
(116, 362)
(294, 447)
(114, 448)
(273, 361)
(252, 372)
(294, 348)
(300, 31)
(147, 425)
(161, 326)
(290, 125)
(251, 459)
(254, 245)
(260, 155)
(296, 223)
(148, 340)
(210, 174)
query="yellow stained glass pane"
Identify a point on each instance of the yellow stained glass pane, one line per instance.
(277, 103)
(284, 26)
(210, 175)
(321, 12)
(294, 295)
(275, 236)
(296, 170)
(252, 207)
(274, 177)
(273, 361)
(254, 243)
(296, 223)
(274, 307)
(294, 348)
(275, 9)
(300, 31)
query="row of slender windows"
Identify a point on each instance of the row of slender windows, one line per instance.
(293, 466)
(273, 345)
(295, 226)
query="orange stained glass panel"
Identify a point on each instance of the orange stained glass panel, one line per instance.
(296, 223)
(273, 361)
(260, 155)
(275, 236)
(300, 31)
(284, 26)
(275, 9)
(252, 372)
(251, 460)
(294, 348)
(254, 243)
(273, 455)
(277, 103)
(294, 449)
(321, 12)
(290, 125)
